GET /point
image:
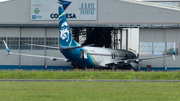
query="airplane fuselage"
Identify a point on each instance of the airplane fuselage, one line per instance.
(97, 57)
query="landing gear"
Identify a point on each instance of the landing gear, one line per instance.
(127, 67)
(85, 68)
(122, 67)
(113, 67)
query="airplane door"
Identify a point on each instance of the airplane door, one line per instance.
(113, 54)
(83, 54)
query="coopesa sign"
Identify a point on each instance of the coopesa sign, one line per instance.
(55, 16)
(74, 9)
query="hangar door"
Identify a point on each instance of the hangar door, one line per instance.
(159, 42)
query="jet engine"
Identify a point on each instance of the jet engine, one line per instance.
(134, 65)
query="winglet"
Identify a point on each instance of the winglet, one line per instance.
(174, 57)
(6, 47)
(174, 52)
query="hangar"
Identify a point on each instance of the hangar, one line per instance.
(144, 27)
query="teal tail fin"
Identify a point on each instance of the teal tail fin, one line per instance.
(65, 36)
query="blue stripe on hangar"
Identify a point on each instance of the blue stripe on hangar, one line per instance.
(27, 67)
(160, 68)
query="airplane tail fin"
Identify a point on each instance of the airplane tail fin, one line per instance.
(65, 36)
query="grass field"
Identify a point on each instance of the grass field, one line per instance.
(121, 75)
(89, 91)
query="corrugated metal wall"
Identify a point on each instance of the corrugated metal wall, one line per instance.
(155, 42)
(46, 35)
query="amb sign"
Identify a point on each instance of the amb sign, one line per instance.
(87, 9)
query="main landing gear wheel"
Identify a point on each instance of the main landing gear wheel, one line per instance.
(127, 67)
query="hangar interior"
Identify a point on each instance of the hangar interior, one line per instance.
(142, 27)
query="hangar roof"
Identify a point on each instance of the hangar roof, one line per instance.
(158, 0)
(154, 4)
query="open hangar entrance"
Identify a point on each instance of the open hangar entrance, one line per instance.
(107, 37)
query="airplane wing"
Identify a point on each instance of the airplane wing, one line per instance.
(155, 57)
(132, 62)
(137, 60)
(144, 58)
(58, 48)
(140, 59)
(49, 57)
(43, 46)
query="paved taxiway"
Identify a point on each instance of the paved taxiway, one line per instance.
(44, 80)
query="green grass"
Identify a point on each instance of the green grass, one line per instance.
(89, 91)
(121, 75)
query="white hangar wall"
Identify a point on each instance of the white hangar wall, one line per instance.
(158, 42)
(110, 12)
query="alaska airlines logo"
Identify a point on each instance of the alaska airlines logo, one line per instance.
(64, 3)
(64, 31)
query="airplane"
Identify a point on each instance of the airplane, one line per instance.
(88, 56)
